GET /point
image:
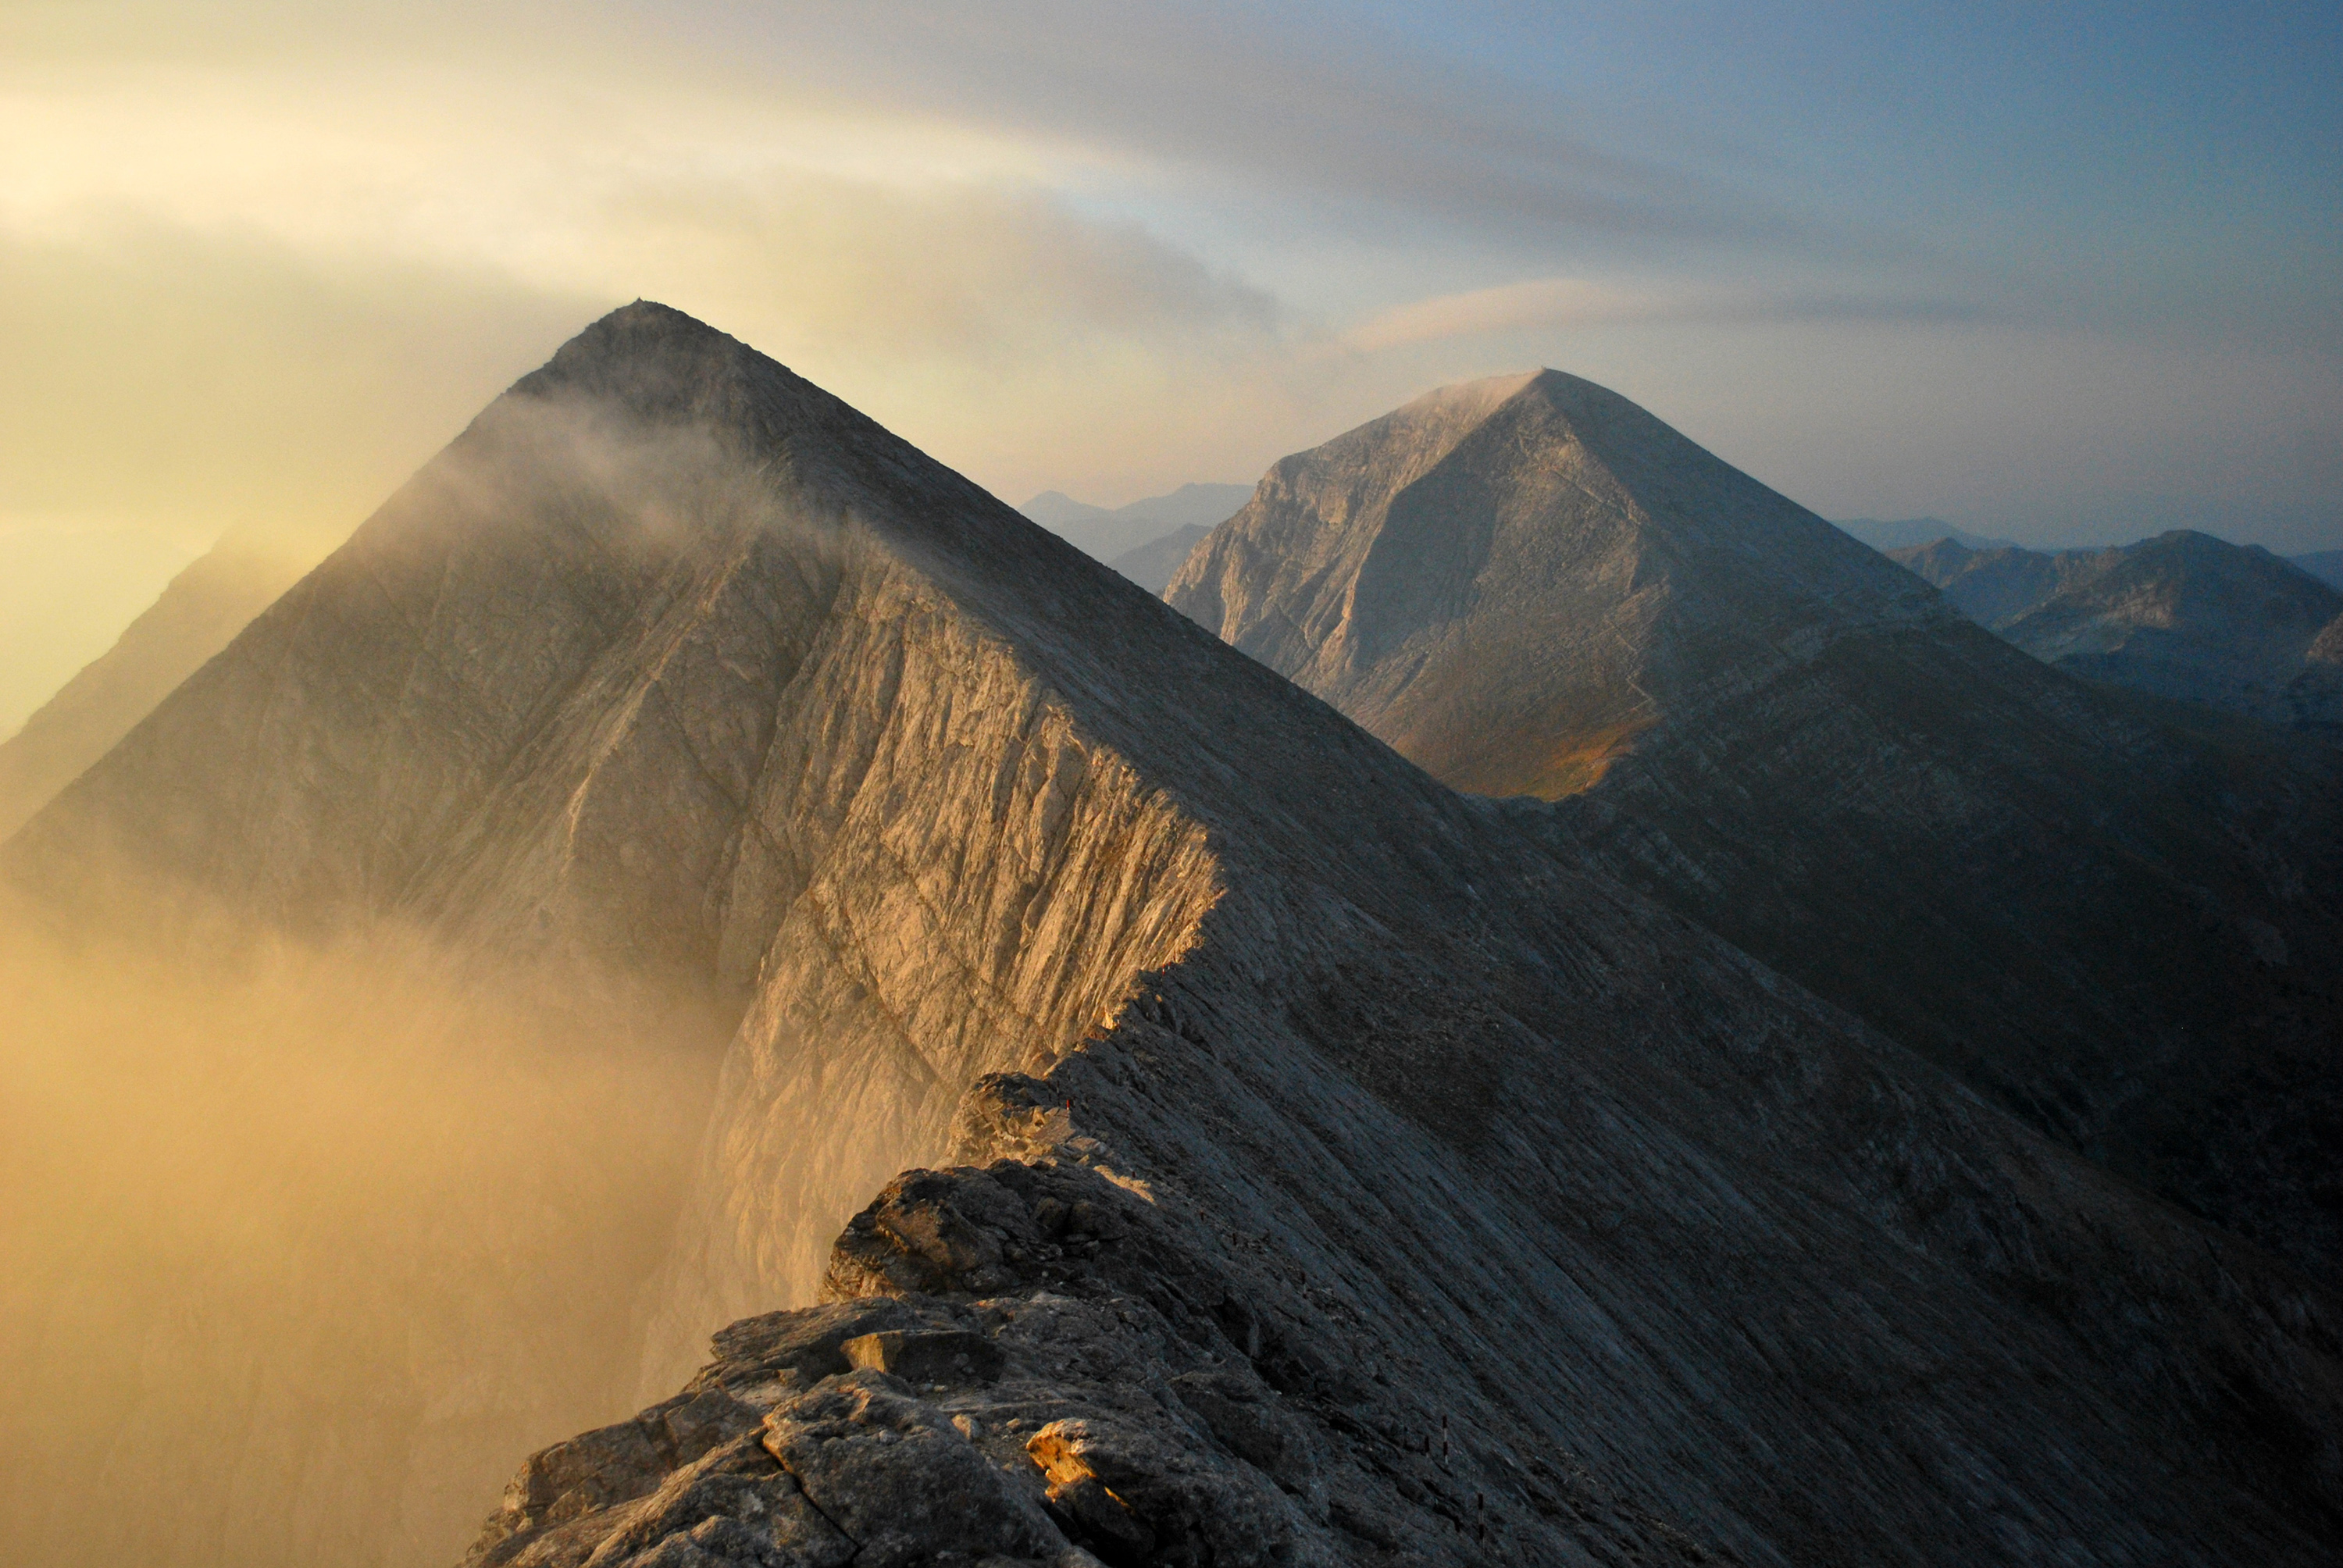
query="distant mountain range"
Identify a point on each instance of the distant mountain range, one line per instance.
(1886, 534)
(1161, 1123)
(1105, 533)
(2183, 615)
(2130, 934)
(2327, 566)
(1152, 565)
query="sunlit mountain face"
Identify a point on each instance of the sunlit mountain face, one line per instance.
(692, 864)
(1535, 588)
(1111, 894)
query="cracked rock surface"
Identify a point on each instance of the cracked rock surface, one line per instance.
(1127, 1408)
(1208, 1138)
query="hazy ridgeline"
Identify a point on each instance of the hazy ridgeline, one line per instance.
(305, 1241)
(300, 1245)
(679, 710)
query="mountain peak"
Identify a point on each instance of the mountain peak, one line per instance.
(1537, 512)
(1259, 1064)
(654, 359)
(1532, 586)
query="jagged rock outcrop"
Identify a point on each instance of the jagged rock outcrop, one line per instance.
(2183, 615)
(201, 609)
(2130, 935)
(1312, 1163)
(1176, 1354)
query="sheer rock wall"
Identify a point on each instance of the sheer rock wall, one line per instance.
(1390, 1119)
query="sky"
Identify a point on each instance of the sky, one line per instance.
(2063, 275)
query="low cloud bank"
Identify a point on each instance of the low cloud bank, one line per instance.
(302, 1245)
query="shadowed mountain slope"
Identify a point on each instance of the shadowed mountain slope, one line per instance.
(1150, 566)
(2183, 615)
(202, 609)
(1336, 1174)
(1533, 587)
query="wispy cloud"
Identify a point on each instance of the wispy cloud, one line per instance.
(1310, 104)
(1002, 273)
(1549, 304)
(1098, 247)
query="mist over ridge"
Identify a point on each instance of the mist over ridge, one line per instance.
(299, 1241)
(1133, 1112)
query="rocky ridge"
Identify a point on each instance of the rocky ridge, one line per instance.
(2183, 616)
(2121, 928)
(1045, 1358)
(1243, 1109)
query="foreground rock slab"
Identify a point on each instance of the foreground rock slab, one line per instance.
(1351, 1170)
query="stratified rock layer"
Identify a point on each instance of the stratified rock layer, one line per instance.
(2129, 934)
(1267, 1320)
(1310, 1163)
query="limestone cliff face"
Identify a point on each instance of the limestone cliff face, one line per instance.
(656, 670)
(2128, 935)
(2183, 615)
(1508, 579)
(1308, 1164)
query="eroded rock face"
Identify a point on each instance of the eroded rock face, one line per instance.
(1335, 1166)
(1536, 589)
(1164, 1387)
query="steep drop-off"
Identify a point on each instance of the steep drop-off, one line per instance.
(1321, 1169)
(2183, 615)
(2128, 933)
